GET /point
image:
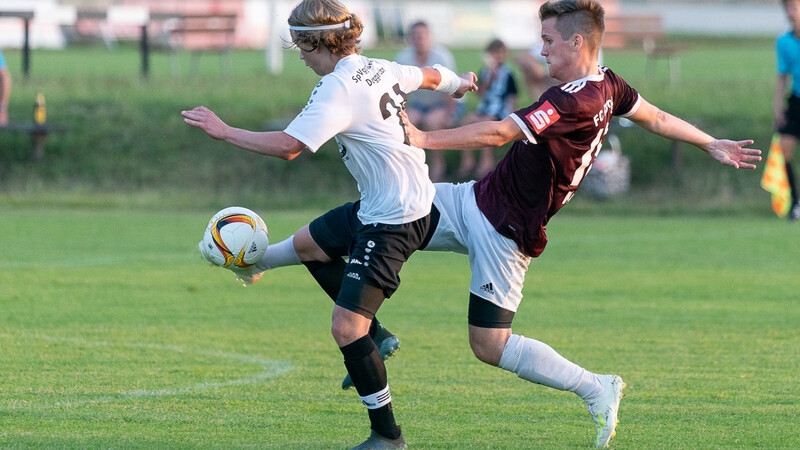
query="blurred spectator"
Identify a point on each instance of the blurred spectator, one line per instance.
(429, 110)
(5, 90)
(534, 70)
(787, 121)
(498, 92)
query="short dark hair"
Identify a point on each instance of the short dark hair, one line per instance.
(584, 17)
(495, 45)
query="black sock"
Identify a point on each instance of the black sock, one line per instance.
(366, 369)
(329, 276)
(792, 186)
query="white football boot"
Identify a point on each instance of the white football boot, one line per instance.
(247, 275)
(604, 409)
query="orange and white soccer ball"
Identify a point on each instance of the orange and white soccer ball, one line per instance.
(234, 237)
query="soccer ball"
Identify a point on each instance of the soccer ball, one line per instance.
(235, 237)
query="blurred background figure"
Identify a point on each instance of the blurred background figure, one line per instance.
(534, 70)
(5, 90)
(429, 110)
(787, 121)
(498, 92)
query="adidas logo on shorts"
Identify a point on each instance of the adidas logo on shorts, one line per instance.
(488, 288)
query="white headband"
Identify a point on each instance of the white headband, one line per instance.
(345, 24)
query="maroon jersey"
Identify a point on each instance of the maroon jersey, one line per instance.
(565, 131)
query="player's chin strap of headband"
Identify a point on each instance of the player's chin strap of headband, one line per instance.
(345, 25)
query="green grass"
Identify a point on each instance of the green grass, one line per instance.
(114, 334)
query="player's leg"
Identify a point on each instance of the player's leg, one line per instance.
(788, 143)
(321, 246)
(362, 358)
(371, 275)
(789, 134)
(493, 342)
(498, 273)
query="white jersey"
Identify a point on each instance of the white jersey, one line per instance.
(359, 104)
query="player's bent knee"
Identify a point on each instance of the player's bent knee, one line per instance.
(487, 344)
(489, 329)
(348, 326)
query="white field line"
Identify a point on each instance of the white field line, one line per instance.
(99, 261)
(270, 369)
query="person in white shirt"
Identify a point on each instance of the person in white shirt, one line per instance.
(358, 102)
(431, 110)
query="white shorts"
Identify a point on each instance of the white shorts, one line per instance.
(498, 266)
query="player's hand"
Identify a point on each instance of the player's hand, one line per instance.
(205, 119)
(734, 153)
(467, 84)
(415, 137)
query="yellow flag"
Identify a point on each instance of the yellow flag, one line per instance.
(774, 179)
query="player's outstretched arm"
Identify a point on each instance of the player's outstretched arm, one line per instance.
(469, 137)
(442, 79)
(274, 143)
(727, 152)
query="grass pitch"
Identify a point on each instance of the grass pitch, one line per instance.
(113, 333)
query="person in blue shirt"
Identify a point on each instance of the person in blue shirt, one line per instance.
(5, 90)
(787, 119)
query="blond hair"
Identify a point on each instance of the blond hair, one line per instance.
(339, 41)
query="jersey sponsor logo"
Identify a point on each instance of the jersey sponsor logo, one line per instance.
(543, 117)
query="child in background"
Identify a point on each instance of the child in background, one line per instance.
(498, 92)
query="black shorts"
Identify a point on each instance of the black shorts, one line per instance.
(792, 125)
(376, 252)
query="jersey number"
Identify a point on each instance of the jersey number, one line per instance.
(586, 162)
(387, 100)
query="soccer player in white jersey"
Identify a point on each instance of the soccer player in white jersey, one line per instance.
(500, 220)
(358, 102)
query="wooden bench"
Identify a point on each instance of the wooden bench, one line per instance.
(201, 33)
(645, 33)
(38, 133)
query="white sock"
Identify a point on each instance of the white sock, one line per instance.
(537, 362)
(279, 255)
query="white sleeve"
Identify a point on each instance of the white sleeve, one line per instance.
(327, 113)
(410, 76)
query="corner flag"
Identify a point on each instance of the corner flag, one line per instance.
(774, 179)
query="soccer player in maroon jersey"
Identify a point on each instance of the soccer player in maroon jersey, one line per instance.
(500, 220)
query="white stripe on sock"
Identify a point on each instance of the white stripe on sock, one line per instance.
(378, 399)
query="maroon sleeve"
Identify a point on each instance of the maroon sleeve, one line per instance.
(626, 96)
